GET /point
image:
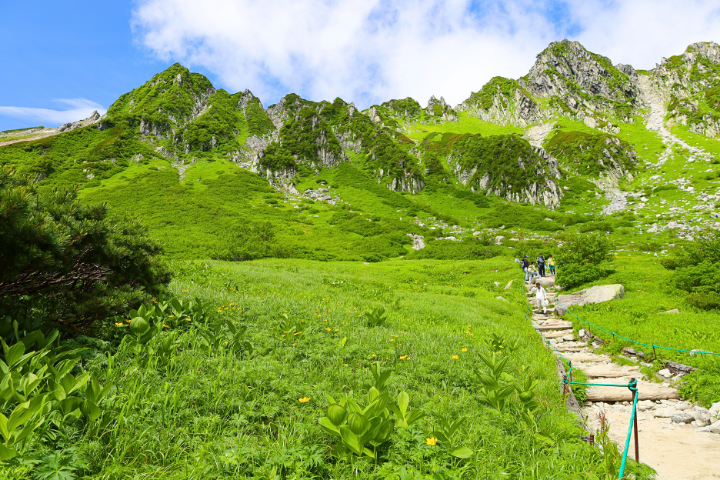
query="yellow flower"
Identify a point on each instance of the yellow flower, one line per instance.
(392, 339)
(374, 355)
(455, 357)
(337, 329)
(171, 316)
(166, 326)
(501, 346)
(431, 441)
(296, 343)
(464, 350)
(297, 333)
(120, 324)
(328, 328)
(185, 291)
(189, 319)
(404, 357)
(304, 399)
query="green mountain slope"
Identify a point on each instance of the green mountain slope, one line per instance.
(576, 142)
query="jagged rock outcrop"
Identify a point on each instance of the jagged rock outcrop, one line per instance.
(581, 81)
(504, 102)
(690, 83)
(440, 108)
(91, 120)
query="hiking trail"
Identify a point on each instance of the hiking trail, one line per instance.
(678, 439)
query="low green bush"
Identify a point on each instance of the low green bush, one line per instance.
(573, 275)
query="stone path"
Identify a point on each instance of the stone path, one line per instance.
(679, 440)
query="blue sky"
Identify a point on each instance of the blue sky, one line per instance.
(60, 60)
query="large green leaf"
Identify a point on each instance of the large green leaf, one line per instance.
(6, 453)
(4, 427)
(14, 353)
(350, 439)
(329, 426)
(403, 402)
(90, 410)
(462, 452)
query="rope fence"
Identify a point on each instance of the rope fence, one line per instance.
(567, 382)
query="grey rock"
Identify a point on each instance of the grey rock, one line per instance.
(682, 417)
(597, 294)
(702, 416)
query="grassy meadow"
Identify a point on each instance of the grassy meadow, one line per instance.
(238, 391)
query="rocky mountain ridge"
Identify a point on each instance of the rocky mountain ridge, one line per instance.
(180, 116)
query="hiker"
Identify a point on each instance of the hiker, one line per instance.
(541, 265)
(551, 264)
(524, 264)
(541, 297)
(532, 271)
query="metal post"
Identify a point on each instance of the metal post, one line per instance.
(571, 375)
(637, 446)
(654, 354)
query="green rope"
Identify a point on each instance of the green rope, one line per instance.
(632, 385)
(639, 343)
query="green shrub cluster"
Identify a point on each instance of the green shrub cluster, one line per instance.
(586, 153)
(580, 260)
(697, 271)
(68, 263)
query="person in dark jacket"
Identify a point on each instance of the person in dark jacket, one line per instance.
(524, 264)
(541, 265)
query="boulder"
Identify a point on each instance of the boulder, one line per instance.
(507, 287)
(715, 409)
(682, 417)
(499, 239)
(500, 298)
(701, 415)
(597, 294)
(674, 310)
(545, 281)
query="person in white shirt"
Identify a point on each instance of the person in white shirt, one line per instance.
(541, 297)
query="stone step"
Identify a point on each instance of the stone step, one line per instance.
(557, 333)
(646, 391)
(587, 357)
(547, 326)
(608, 371)
(569, 344)
(562, 348)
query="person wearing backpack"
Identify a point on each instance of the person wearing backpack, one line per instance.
(551, 264)
(524, 264)
(532, 271)
(541, 265)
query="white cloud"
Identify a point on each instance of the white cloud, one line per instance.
(369, 51)
(80, 109)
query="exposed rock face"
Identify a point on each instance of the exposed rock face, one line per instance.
(278, 113)
(246, 98)
(91, 120)
(504, 102)
(440, 108)
(566, 70)
(686, 81)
